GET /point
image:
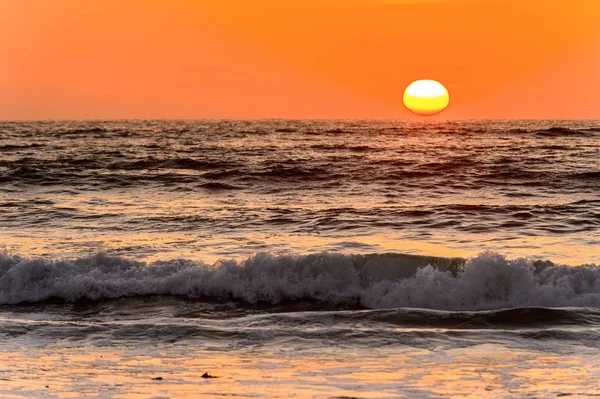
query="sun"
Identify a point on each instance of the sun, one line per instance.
(426, 97)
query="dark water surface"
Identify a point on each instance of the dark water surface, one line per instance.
(207, 190)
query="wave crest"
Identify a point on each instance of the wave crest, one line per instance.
(382, 281)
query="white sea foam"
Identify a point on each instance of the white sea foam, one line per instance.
(488, 281)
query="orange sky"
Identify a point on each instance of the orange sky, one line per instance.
(88, 59)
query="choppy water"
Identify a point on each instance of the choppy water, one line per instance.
(301, 235)
(206, 190)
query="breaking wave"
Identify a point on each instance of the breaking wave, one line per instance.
(382, 281)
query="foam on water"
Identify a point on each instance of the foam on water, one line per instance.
(488, 281)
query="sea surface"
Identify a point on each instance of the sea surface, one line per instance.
(334, 259)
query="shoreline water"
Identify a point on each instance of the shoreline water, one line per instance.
(482, 371)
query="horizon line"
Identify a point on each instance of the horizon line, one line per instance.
(300, 119)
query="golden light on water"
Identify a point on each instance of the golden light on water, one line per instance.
(476, 372)
(426, 97)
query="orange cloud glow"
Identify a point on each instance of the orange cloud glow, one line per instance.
(79, 59)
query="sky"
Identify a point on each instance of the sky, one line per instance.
(195, 59)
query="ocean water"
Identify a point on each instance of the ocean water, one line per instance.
(362, 259)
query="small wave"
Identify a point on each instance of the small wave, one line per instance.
(286, 130)
(80, 131)
(585, 202)
(224, 174)
(363, 148)
(448, 166)
(410, 174)
(556, 147)
(216, 186)
(176, 163)
(17, 147)
(588, 175)
(561, 131)
(297, 172)
(556, 131)
(353, 148)
(338, 130)
(526, 317)
(326, 147)
(27, 173)
(488, 281)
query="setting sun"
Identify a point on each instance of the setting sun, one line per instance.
(426, 97)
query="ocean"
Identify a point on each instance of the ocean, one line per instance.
(328, 259)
